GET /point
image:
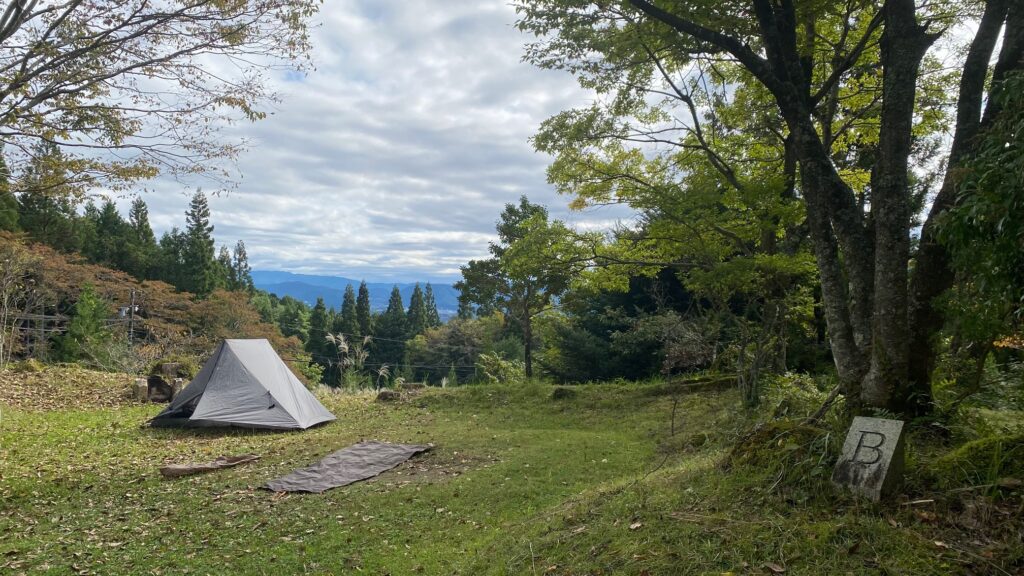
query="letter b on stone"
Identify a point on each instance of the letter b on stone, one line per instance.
(872, 460)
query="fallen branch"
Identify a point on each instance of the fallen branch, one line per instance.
(179, 470)
(813, 419)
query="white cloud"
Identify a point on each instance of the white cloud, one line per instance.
(393, 159)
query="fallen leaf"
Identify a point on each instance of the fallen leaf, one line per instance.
(941, 544)
(774, 568)
(635, 525)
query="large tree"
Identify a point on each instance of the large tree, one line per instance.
(129, 89)
(346, 322)
(363, 313)
(528, 269)
(842, 84)
(142, 252)
(200, 274)
(390, 333)
(417, 317)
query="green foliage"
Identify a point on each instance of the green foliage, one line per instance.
(347, 322)
(389, 333)
(312, 372)
(498, 370)
(241, 272)
(363, 313)
(417, 318)
(433, 318)
(451, 350)
(984, 231)
(8, 202)
(982, 462)
(188, 366)
(88, 337)
(46, 202)
(798, 457)
(531, 265)
(201, 270)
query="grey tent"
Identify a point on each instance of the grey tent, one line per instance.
(245, 383)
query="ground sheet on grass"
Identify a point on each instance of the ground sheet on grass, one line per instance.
(346, 466)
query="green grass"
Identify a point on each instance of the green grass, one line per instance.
(518, 484)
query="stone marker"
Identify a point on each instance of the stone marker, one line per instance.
(176, 387)
(872, 460)
(141, 389)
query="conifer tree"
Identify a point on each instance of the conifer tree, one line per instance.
(433, 318)
(225, 270)
(416, 320)
(111, 242)
(8, 203)
(363, 313)
(390, 333)
(87, 332)
(46, 204)
(316, 343)
(242, 271)
(347, 321)
(171, 258)
(142, 253)
(200, 274)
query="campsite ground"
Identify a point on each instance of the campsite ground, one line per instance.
(604, 482)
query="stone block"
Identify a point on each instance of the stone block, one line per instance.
(872, 460)
(169, 370)
(176, 386)
(140, 390)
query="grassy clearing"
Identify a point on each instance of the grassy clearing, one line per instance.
(518, 484)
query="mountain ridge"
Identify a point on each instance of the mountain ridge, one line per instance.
(308, 287)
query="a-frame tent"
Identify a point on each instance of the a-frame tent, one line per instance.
(245, 383)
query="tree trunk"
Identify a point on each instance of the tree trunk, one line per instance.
(528, 343)
(903, 46)
(932, 273)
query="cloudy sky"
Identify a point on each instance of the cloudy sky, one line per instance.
(393, 159)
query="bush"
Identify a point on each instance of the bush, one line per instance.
(497, 370)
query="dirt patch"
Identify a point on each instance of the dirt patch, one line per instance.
(64, 388)
(434, 466)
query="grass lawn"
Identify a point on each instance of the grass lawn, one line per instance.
(518, 483)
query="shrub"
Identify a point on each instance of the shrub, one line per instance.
(497, 370)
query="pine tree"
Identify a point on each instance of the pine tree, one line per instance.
(171, 258)
(390, 333)
(416, 319)
(143, 252)
(316, 343)
(363, 313)
(46, 204)
(225, 270)
(8, 203)
(87, 333)
(433, 318)
(242, 270)
(200, 276)
(347, 321)
(110, 248)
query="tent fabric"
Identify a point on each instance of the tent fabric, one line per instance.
(346, 466)
(245, 383)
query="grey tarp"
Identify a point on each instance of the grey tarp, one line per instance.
(245, 383)
(357, 462)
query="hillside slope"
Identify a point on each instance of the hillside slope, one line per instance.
(616, 479)
(166, 321)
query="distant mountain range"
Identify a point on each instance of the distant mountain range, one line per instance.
(308, 287)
